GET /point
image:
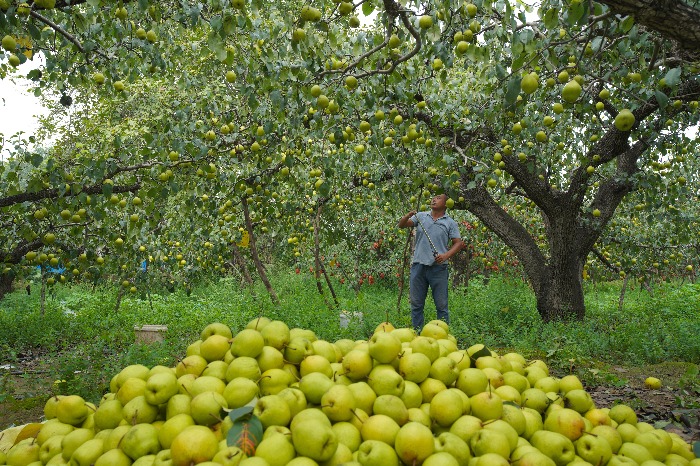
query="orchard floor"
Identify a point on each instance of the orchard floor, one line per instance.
(675, 407)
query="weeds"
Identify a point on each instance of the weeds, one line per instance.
(86, 342)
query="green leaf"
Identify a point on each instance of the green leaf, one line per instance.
(482, 352)
(627, 24)
(276, 99)
(246, 431)
(551, 18)
(367, 8)
(696, 449)
(37, 159)
(513, 90)
(661, 98)
(216, 45)
(576, 12)
(673, 76)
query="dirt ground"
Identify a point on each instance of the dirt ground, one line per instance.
(674, 407)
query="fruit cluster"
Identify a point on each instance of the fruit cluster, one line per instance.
(395, 398)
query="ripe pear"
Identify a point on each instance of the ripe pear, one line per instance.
(530, 83)
(377, 453)
(489, 441)
(109, 414)
(571, 92)
(217, 328)
(172, 427)
(214, 348)
(51, 428)
(414, 443)
(357, 364)
(472, 381)
(624, 121)
(87, 453)
(208, 408)
(392, 406)
(273, 381)
(384, 347)
(277, 450)
(23, 452)
(272, 410)
(414, 367)
(314, 386)
(239, 392)
(72, 410)
(380, 427)
(73, 440)
(554, 445)
(314, 439)
(247, 342)
(195, 444)
(446, 408)
(243, 366)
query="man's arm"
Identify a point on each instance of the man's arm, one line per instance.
(457, 245)
(406, 221)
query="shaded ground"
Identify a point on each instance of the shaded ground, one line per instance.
(675, 407)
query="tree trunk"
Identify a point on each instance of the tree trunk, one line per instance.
(5, 284)
(560, 294)
(238, 259)
(254, 252)
(557, 279)
(43, 292)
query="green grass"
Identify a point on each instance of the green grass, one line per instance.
(89, 342)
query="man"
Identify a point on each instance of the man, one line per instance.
(434, 231)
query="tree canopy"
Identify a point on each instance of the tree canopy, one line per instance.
(284, 119)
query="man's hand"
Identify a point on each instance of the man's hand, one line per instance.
(406, 220)
(441, 258)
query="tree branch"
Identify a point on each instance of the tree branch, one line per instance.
(672, 19)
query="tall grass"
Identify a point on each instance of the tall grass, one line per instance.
(90, 342)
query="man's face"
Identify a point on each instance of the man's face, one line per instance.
(438, 202)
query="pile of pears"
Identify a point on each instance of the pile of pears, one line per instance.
(396, 398)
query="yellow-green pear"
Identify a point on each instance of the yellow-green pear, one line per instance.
(380, 427)
(195, 444)
(113, 457)
(52, 427)
(338, 403)
(277, 450)
(172, 427)
(214, 348)
(446, 407)
(87, 453)
(272, 410)
(140, 440)
(247, 342)
(208, 408)
(72, 410)
(489, 441)
(384, 347)
(314, 386)
(50, 448)
(275, 334)
(314, 440)
(472, 381)
(451, 443)
(376, 453)
(23, 453)
(348, 434)
(414, 443)
(217, 328)
(554, 445)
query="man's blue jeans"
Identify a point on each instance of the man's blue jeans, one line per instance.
(424, 276)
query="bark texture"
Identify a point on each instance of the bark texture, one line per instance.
(673, 19)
